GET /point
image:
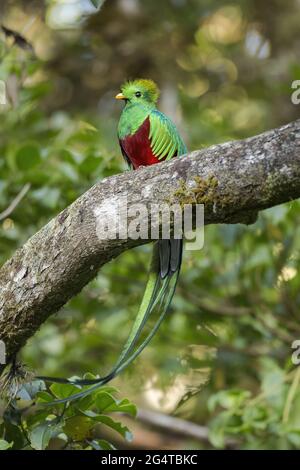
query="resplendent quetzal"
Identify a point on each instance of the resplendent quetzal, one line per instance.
(146, 136)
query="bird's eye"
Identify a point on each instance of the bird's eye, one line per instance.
(138, 94)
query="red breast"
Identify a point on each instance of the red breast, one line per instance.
(138, 147)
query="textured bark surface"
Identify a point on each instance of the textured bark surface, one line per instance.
(234, 180)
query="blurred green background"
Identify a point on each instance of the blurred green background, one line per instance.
(222, 359)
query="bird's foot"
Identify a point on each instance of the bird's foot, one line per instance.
(11, 381)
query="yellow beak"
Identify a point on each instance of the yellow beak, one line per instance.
(120, 96)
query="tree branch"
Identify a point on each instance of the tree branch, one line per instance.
(178, 426)
(234, 180)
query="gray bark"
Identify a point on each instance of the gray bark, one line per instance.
(234, 180)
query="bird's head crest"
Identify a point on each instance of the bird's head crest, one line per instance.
(139, 90)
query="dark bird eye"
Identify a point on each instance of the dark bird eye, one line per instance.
(138, 94)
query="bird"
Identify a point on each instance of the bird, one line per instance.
(146, 137)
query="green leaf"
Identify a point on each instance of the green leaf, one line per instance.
(85, 402)
(40, 435)
(44, 397)
(28, 156)
(40, 416)
(4, 445)
(78, 427)
(63, 390)
(106, 402)
(15, 435)
(118, 427)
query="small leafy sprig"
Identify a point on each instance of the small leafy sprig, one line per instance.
(28, 424)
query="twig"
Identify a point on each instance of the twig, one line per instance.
(210, 306)
(174, 425)
(15, 202)
(178, 426)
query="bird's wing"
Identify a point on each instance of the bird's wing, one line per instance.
(165, 140)
(125, 156)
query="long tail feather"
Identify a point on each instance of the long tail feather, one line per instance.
(161, 285)
(134, 355)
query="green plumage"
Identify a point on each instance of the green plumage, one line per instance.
(165, 139)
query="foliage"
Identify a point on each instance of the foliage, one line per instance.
(223, 356)
(33, 421)
(265, 420)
